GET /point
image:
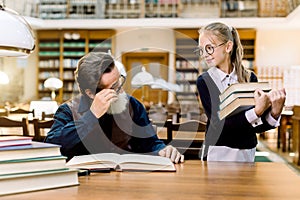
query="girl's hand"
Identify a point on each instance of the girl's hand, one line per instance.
(262, 102)
(277, 99)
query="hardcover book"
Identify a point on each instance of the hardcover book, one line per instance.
(32, 164)
(236, 106)
(238, 97)
(11, 140)
(234, 96)
(244, 87)
(124, 162)
(33, 150)
(38, 180)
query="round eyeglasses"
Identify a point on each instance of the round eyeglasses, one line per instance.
(210, 49)
(120, 84)
(117, 86)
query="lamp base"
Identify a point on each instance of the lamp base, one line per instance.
(53, 95)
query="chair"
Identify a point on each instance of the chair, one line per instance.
(48, 115)
(18, 110)
(9, 123)
(191, 115)
(189, 136)
(39, 126)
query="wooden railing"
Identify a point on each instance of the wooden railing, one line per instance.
(106, 9)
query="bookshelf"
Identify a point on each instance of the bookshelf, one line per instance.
(199, 9)
(276, 8)
(248, 38)
(123, 9)
(88, 9)
(161, 8)
(53, 9)
(239, 8)
(59, 52)
(187, 67)
(49, 59)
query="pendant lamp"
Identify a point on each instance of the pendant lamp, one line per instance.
(16, 35)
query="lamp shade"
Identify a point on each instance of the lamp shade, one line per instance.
(160, 83)
(53, 83)
(142, 78)
(16, 35)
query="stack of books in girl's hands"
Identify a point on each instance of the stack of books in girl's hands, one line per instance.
(26, 165)
(238, 97)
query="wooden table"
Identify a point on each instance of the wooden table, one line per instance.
(194, 179)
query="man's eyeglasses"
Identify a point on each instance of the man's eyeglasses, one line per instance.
(120, 84)
(117, 86)
(210, 49)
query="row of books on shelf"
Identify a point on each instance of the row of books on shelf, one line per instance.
(187, 64)
(186, 76)
(189, 88)
(47, 74)
(73, 44)
(26, 165)
(70, 86)
(50, 63)
(68, 74)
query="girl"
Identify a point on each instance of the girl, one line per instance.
(233, 138)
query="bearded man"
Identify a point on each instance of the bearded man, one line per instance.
(103, 118)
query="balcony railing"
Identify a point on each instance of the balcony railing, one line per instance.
(106, 9)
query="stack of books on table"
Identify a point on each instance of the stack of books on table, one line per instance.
(238, 97)
(26, 165)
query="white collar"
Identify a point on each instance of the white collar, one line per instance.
(218, 76)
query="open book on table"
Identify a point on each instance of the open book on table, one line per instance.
(124, 162)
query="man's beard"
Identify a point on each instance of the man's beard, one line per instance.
(119, 105)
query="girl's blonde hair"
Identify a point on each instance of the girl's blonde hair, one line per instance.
(227, 33)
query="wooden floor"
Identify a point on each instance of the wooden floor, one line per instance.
(269, 145)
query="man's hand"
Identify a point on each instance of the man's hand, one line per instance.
(102, 101)
(262, 102)
(277, 99)
(172, 153)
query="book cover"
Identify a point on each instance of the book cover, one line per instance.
(32, 164)
(33, 150)
(244, 87)
(236, 106)
(14, 140)
(124, 162)
(39, 180)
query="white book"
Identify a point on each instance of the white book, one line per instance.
(40, 180)
(125, 162)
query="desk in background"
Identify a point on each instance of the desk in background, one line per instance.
(194, 179)
(296, 134)
(285, 121)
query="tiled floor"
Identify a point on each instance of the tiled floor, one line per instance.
(269, 147)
